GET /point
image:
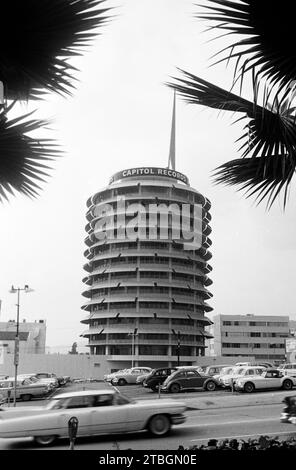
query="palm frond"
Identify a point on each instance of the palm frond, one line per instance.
(34, 53)
(268, 138)
(267, 27)
(262, 177)
(23, 159)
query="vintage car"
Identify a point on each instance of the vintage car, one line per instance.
(50, 382)
(288, 369)
(109, 377)
(289, 411)
(157, 377)
(187, 379)
(129, 376)
(228, 380)
(140, 379)
(224, 371)
(58, 381)
(25, 389)
(269, 379)
(98, 412)
(214, 369)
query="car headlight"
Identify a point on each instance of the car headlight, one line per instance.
(115, 380)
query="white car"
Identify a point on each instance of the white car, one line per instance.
(230, 379)
(270, 378)
(224, 371)
(130, 376)
(98, 412)
(288, 369)
(109, 377)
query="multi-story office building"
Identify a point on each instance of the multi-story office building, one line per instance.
(32, 336)
(147, 288)
(260, 336)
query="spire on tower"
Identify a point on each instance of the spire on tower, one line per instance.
(172, 154)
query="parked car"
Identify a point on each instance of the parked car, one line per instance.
(109, 377)
(50, 382)
(270, 378)
(214, 369)
(289, 411)
(57, 380)
(229, 380)
(129, 376)
(140, 379)
(288, 369)
(98, 412)
(224, 371)
(261, 364)
(78, 380)
(186, 379)
(25, 389)
(157, 377)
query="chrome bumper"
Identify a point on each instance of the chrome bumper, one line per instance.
(178, 419)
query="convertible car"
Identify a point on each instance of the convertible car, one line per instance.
(98, 412)
(270, 378)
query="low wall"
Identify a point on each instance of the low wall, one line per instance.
(85, 366)
(74, 365)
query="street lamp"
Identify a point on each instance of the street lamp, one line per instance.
(17, 290)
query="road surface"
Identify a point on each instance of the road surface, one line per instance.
(217, 423)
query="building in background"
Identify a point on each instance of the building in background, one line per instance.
(147, 298)
(261, 336)
(32, 336)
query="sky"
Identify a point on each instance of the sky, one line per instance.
(120, 117)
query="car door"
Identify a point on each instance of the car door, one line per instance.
(272, 380)
(110, 414)
(80, 407)
(193, 379)
(132, 378)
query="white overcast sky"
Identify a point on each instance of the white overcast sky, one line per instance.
(120, 117)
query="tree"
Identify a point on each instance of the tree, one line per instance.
(38, 37)
(266, 51)
(73, 349)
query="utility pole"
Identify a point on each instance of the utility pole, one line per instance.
(17, 291)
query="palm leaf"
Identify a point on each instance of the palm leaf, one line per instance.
(263, 177)
(34, 53)
(22, 158)
(267, 27)
(268, 138)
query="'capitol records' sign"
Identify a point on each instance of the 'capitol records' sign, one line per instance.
(149, 171)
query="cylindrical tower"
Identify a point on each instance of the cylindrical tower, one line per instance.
(146, 279)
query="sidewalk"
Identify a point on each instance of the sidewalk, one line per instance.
(234, 400)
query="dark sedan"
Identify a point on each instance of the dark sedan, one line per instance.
(157, 377)
(188, 379)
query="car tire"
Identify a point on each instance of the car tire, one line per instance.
(249, 387)
(159, 425)
(121, 382)
(26, 397)
(44, 440)
(175, 388)
(287, 384)
(210, 386)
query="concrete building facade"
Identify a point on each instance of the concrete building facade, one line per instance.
(147, 294)
(32, 336)
(261, 336)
